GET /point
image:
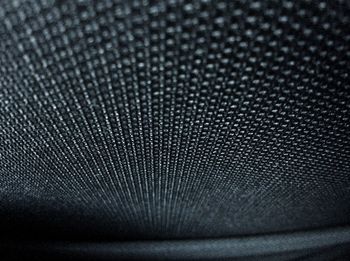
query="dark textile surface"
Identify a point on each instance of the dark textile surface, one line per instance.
(325, 244)
(173, 119)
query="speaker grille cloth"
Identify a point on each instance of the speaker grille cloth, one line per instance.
(174, 119)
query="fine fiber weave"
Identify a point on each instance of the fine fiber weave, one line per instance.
(124, 120)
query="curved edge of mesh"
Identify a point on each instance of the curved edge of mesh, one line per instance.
(190, 249)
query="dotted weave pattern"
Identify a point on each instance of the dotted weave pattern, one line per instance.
(174, 119)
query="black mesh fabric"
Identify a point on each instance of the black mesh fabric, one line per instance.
(173, 119)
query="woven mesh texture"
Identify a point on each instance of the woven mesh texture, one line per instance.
(174, 119)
